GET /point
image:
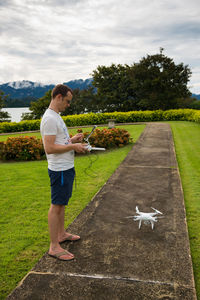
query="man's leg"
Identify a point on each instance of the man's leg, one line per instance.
(56, 213)
(62, 234)
(61, 230)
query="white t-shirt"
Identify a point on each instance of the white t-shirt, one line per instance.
(53, 124)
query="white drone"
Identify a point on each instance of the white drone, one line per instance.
(88, 146)
(148, 218)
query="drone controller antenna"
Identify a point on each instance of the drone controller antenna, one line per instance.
(87, 137)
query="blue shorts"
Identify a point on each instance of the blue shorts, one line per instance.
(61, 185)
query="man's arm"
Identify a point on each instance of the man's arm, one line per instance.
(52, 148)
(77, 138)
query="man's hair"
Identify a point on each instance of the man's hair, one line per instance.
(61, 89)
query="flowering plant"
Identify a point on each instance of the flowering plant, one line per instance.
(22, 148)
(109, 138)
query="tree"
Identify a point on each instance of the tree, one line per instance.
(19, 102)
(194, 104)
(83, 101)
(159, 83)
(114, 88)
(90, 100)
(77, 104)
(4, 115)
(38, 107)
(156, 82)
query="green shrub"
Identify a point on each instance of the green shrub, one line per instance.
(2, 149)
(22, 148)
(85, 119)
(133, 116)
(196, 116)
(109, 138)
(178, 115)
(20, 126)
(25, 148)
(102, 118)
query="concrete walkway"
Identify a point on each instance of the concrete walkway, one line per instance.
(114, 259)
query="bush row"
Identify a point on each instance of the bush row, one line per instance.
(20, 126)
(102, 118)
(24, 148)
(109, 138)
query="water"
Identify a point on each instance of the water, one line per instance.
(16, 112)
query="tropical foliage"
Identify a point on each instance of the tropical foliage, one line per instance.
(4, 116)
(155, 82)
(102, 118)
(24, 148)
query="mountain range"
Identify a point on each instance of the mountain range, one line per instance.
(21, 93)
(25, 88)
(197, 96)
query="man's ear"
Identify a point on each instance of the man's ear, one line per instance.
(59, 97)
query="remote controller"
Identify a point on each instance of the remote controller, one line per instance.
(90, 148)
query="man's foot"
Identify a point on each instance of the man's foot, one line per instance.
(62, 255)
(69, 237)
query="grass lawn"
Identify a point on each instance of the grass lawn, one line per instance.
(187, 144)
(5, 136)
(24, 203)
(25, 198)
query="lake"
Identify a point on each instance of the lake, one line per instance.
(16, 112)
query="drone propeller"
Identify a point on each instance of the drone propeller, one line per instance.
(157, 211)
(137, 210)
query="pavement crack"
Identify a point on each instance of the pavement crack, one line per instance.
(101, 276)
(33, 272)
(105, 277)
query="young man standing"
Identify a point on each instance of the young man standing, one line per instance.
(59, 149)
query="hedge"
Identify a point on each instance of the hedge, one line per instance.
(109, 138)
(22, 148)
(25, 148)
(20, 126)
(102, 118)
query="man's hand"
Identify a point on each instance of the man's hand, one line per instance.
(52, 148)
(77, 138)
(80, 148)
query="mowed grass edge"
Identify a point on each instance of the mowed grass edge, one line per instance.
(187, 144)
(24, 203)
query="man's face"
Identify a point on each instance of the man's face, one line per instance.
(65, 102)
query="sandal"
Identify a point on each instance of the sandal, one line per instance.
(59, 254)
(71, 238)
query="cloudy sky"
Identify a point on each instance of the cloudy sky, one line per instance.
(53, 41)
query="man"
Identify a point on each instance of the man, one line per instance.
(59, 149)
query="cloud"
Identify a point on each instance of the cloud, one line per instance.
(5, 3)
(61, 40)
